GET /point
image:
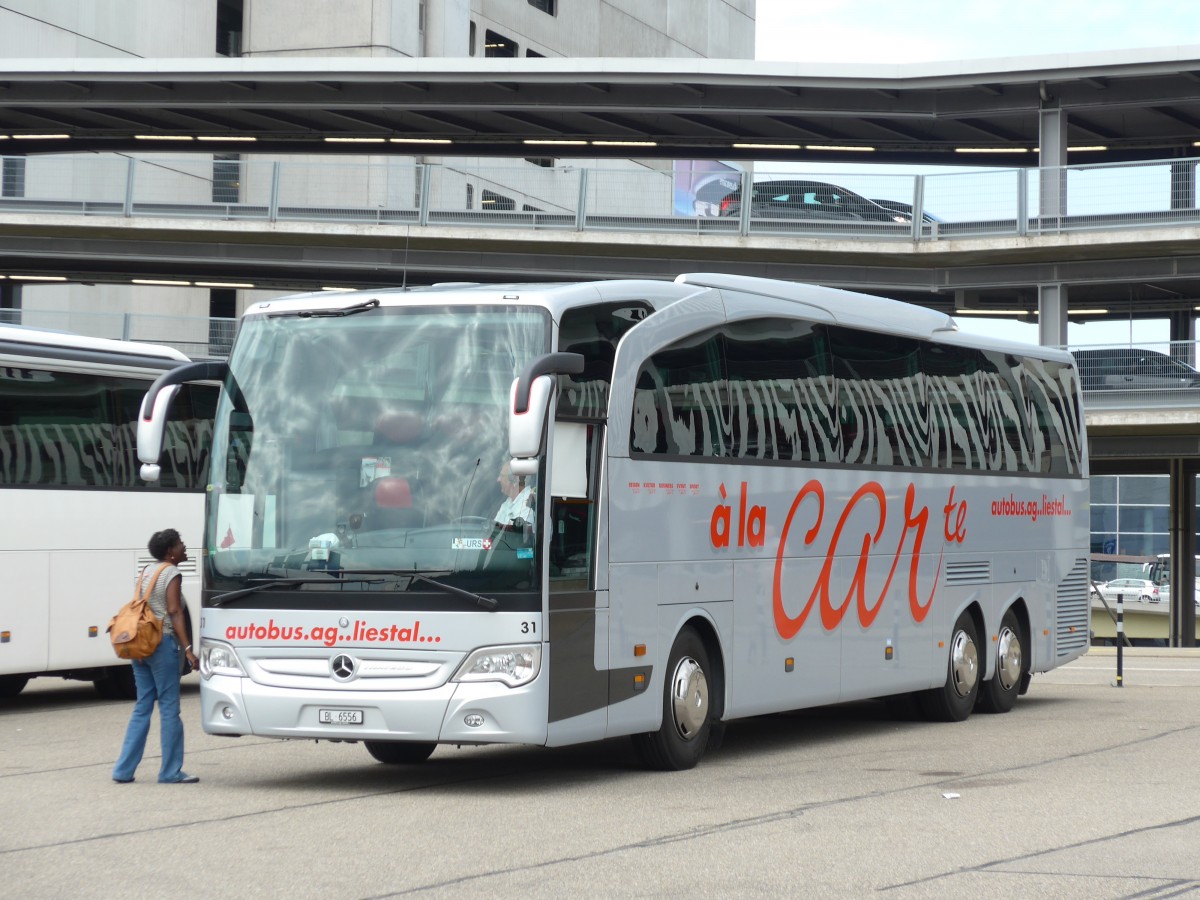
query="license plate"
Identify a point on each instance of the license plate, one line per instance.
(340, 716)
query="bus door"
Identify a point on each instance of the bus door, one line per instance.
(577, 620)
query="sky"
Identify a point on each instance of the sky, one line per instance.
(889, 32)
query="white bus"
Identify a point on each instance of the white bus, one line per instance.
(738, 496)
(76, 514)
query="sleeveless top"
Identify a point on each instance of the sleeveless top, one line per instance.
(158, 597)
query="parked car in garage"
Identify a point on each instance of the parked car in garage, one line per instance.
(1131, 589)
(810, 200)
(1132, 368)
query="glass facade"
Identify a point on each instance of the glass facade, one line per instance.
(1131, 515)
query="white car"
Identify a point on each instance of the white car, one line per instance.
(1132, 589)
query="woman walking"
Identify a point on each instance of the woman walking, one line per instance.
(157, 676)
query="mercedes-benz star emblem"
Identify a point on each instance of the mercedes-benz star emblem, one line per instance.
(343, 667)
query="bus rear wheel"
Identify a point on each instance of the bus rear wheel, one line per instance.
(999, 693)
(399, 753)
(954, 700)
(687, 709)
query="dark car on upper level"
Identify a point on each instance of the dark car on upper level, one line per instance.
(905, 209)
(809, 200)
(1132, 368)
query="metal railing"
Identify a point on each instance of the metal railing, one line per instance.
(198, 337)
(633, 197)
(1136, 376)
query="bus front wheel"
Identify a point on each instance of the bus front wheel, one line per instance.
(953, 701)
(399, 753)
(11, 685)
(999, 693)
(687, 709)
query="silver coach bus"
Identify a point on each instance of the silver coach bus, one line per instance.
(549, 514)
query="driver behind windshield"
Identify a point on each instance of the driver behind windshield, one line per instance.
(516, 511)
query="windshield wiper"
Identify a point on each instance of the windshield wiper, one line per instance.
(229, 596)
(329, 313)
(487, 603)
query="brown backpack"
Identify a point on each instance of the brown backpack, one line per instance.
(135, 630)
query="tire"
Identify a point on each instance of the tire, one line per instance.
(688, 709)
(11, 685)
(116, 683)
(399, 753)
(954, 700)
(999, 693)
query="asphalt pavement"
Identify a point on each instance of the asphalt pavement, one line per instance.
(1085, 790)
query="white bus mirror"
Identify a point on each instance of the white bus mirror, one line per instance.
(156, 406)
(525, 429)
(529, 405)
(150, 428)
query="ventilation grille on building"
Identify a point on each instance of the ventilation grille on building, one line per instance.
(1072, 620)
(187, 568)
(970, 572)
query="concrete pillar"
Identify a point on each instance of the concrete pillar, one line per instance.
(1052, 128)
(1052, 315)
(1183, 553)
(1183, 335)
(447, 28)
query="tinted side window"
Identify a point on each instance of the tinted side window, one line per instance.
(679, 404)
(1006, 445)
(881, 398)
(67, 429)
(781, 392)
(955, 416)
(1055, 416)
(593, 332)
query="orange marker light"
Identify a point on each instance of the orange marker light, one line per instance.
(93, 631)
(639, 649)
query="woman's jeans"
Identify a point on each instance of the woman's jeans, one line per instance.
(157, 678)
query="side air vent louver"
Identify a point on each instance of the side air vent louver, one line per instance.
(187, 568)
(969, 572)
(1072, 615)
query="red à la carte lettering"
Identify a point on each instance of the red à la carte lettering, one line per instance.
(869, 500)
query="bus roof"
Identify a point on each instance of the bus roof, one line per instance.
(870, 312)
(556, 297)
(26, 341)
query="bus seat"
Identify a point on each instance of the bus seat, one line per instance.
(393, 504)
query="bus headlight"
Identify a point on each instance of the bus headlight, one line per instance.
(219, 659)
(514, 666)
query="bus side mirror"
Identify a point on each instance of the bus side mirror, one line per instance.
(150, 430)
(525, 429)
(529, 405)
(156, 406)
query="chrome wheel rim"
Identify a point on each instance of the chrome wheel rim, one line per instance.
(1008, 659)
(689, 698)
(964, 664)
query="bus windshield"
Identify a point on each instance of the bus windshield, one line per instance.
(373, 444)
